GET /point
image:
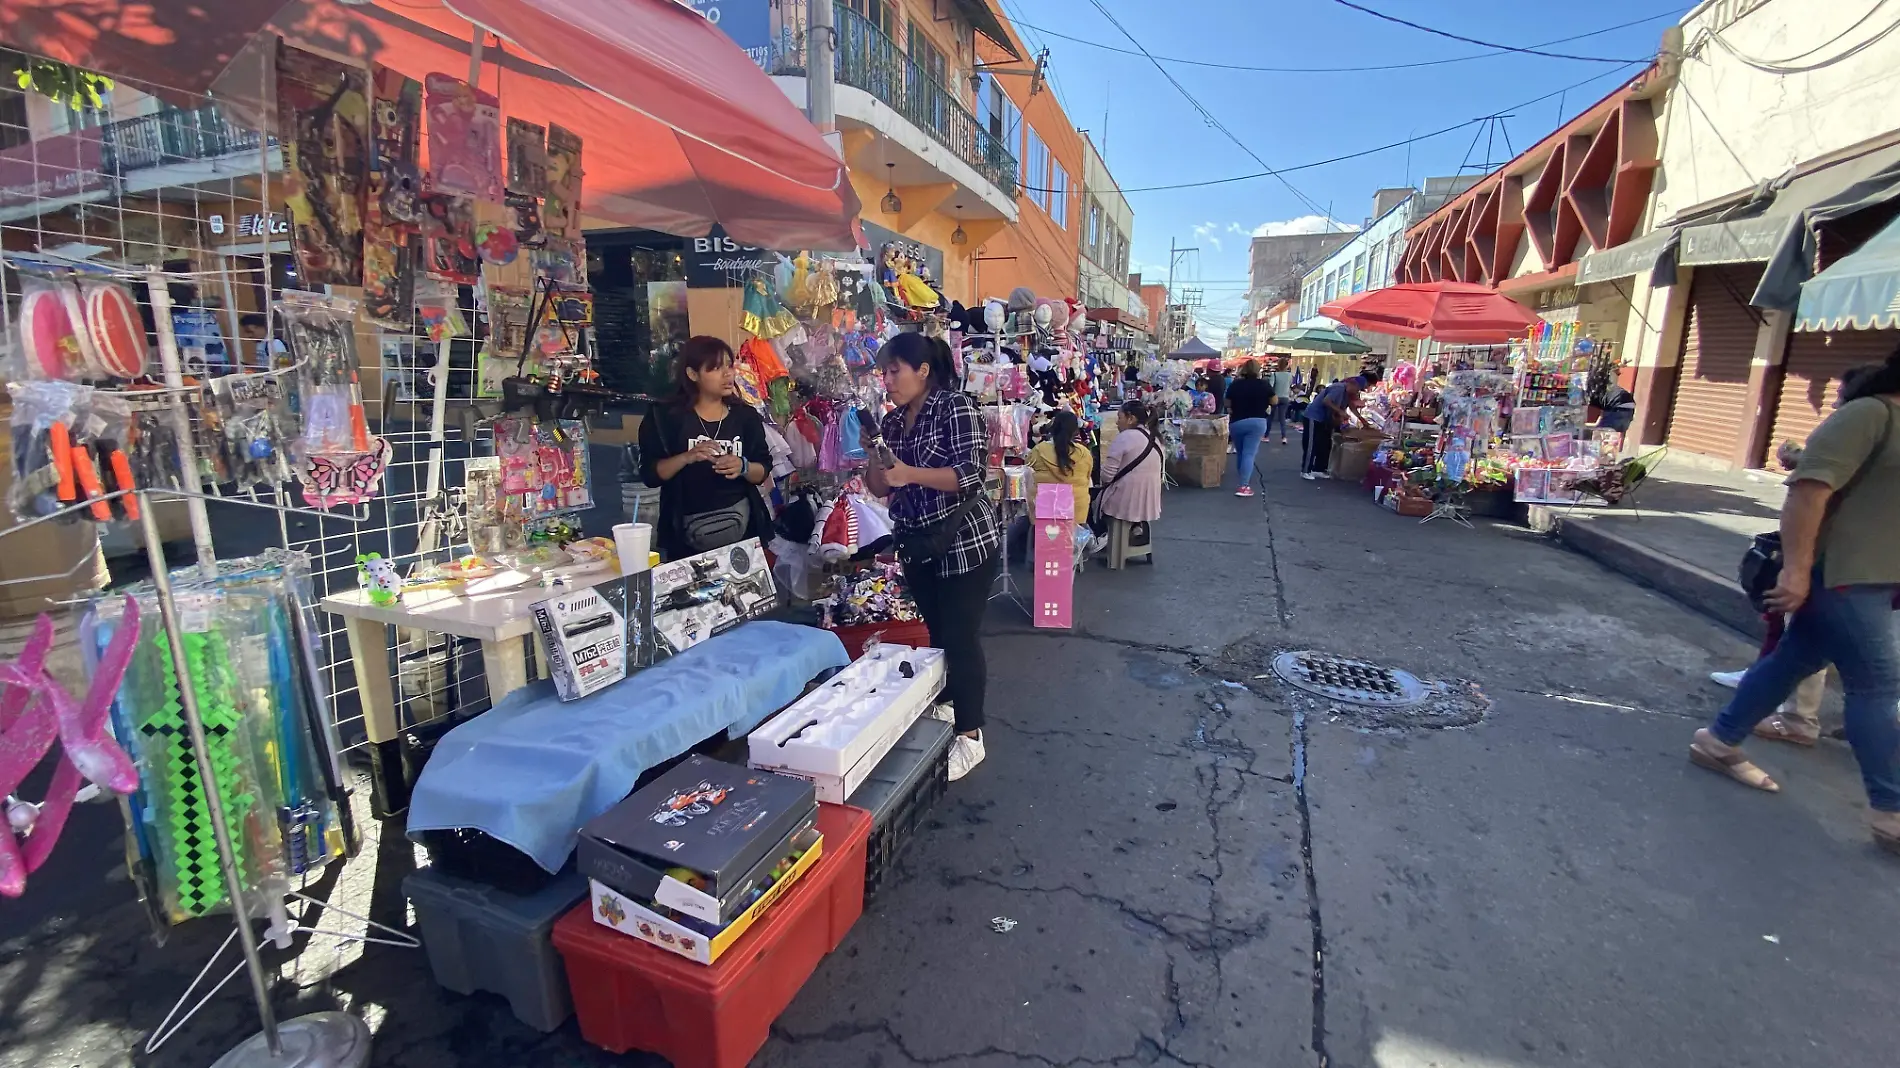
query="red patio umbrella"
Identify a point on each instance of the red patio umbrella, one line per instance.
(681, 129)
(1457, 312)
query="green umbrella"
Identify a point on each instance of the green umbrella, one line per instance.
(1319, 339)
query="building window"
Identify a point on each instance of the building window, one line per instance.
(1036, 168)
(1121, 256)
(1095, 231)
(925, 54)
(1058, 194)
(881, 15)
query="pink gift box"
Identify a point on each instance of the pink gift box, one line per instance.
(1055, 501)
(1053, 601)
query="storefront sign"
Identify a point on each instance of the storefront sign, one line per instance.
(53, 168)
(252, 225)
(718, 262)
(747, 22)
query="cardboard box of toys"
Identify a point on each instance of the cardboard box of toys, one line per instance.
(695, 939)
(585, 639)
(699, 839)
(1203, 472)
(700, 596)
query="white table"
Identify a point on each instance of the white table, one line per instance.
(498, 612)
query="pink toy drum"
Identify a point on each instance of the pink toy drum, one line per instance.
(46, 332)
(112, 318)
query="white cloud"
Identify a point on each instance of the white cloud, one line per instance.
(1207, 231)
(1305, 224)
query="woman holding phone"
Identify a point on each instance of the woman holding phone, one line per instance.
(705, 451)
(928, 458)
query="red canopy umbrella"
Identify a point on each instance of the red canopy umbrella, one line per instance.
(1457, 312)
(681, 129)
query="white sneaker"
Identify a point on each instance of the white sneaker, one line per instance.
(1730, 679)
(965, 754)
(1321, 474)
(1308, 475)
(944, 711)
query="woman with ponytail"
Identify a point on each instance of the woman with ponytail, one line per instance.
(929, 458)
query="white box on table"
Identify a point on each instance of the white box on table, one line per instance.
(834, 736)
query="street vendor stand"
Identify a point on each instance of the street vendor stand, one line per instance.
(680, 131)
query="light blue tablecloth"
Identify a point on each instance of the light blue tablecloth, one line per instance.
(534, 768)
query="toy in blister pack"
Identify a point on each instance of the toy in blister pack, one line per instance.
(322, 336)
(257, 429)
(543, 465)
(448, 238)
(464, 137)
(114, 327)
(438, 307)
(47, 416)
(112, 425)
(563, 213)
(345, 478)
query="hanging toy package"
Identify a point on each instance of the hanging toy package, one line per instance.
(258, 428)
(51, 325)
(50, 466)
(337, 462)
(112, 324)
(113, 425)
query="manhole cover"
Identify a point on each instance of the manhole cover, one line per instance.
(1353, 681)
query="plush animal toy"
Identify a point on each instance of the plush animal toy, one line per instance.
(379, 577)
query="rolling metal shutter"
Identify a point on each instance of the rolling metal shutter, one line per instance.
(1709, 411)
(1815, 363)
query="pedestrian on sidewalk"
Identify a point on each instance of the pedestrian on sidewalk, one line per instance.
(1329, 411)
(1838, 581)
(1249, 400)
(1282, 410)
(929, 461)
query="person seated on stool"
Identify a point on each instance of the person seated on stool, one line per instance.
(1134, 497)
(1058, 458)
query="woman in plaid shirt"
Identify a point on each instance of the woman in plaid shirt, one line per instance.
(932, 471)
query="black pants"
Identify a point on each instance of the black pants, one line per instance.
(953, 609)
(1319, 445)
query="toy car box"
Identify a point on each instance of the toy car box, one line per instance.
(698, 838)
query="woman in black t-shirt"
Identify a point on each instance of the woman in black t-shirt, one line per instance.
(1248, 403)
(705, 451)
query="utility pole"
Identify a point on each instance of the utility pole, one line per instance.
(1176, 313)
(820, 72)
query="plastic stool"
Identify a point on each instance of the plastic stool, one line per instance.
(1120, 552)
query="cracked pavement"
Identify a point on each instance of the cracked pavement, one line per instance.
(1209, 869)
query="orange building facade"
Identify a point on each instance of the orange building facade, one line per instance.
(1040, 249)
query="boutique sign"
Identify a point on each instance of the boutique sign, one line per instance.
(716, 261)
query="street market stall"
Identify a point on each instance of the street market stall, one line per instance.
(391, 216)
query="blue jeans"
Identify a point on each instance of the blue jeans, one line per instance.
(1850, 627)
(1278, 415)
(1246, 435)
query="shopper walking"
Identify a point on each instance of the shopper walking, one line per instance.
(1282, 410)
(929, 460)
(705, 451)
(1249, 400)
(1838, 581)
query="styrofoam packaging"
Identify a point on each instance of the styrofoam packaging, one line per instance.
(586, 641)
(835, 735)
(635, 542)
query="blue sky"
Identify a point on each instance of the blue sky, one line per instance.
(1153, 136)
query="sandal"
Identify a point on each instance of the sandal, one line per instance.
(1708, 752)
(1781, 729)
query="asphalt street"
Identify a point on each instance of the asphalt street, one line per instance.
(1207, 867)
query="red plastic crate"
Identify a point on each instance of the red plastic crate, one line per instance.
(629, 995)
(913, 633)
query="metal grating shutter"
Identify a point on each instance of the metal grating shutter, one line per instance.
(1709, 411)
(1815, 363)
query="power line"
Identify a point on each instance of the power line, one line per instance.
(1473, 40)
(1271, 172)
(1206, 115)
(1345, 70)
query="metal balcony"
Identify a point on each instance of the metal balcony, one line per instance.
(173, 135)
(866, 59)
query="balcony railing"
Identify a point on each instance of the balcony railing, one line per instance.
(866, 59)
(173, 135)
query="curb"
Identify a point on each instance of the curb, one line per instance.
(1715, 596)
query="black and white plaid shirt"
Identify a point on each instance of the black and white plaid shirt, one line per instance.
(949, 433)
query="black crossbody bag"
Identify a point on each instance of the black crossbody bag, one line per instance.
(1760, 569)
(924, 546)
(1097, 521)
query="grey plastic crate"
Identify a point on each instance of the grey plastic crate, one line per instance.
(481, 938)
(901, 790)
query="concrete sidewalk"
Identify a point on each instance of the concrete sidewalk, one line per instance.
(1683, 532)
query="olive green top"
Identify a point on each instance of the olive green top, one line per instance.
(1858, 544)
